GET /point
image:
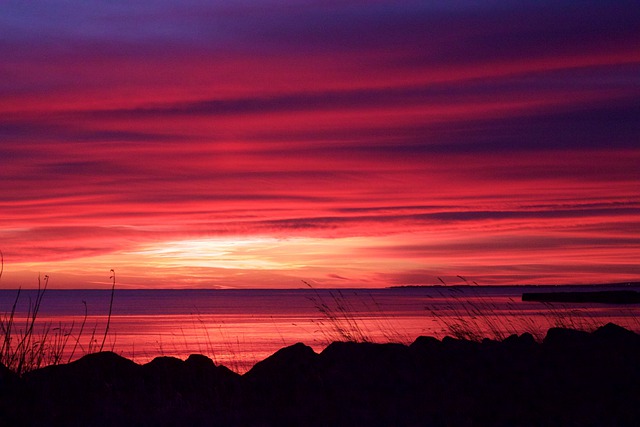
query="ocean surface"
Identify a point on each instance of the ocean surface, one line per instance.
(237, 328)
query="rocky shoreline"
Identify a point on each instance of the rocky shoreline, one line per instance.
(572, 378)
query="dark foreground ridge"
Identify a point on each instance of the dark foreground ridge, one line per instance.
(572, 378)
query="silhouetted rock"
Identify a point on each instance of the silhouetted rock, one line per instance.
(105, 389)
(563, 339)
(99, 388)
(191, 392)
(283, 389)
(425, 344)
(571, 379)
(286, 363)
(6, 375)
(522, 342)
(383, 370)
(612, 334)
(10, 391)
(460, 345)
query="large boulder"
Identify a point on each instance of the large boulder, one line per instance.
(284, 389)
(101, 388)
(105, 389)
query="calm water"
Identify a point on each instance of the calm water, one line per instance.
(239, 327)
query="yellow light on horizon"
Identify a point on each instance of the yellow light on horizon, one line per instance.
(227, 253)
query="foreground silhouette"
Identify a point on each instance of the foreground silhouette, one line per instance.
(572, 378)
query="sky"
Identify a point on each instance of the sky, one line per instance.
(192, 143)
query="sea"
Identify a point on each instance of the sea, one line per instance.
(240, 327)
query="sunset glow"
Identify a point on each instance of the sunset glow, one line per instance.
(346, 144)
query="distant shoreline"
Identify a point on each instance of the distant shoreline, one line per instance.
(605, 297)
(566, 285)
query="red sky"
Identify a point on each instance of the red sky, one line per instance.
(262, 143)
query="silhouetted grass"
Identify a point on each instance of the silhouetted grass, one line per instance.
(32, 345)
(475, 315)
(113, 288)
(341, 320)
(467, 313)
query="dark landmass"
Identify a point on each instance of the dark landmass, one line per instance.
(605, 297)
(572, 378)
(569, 286)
